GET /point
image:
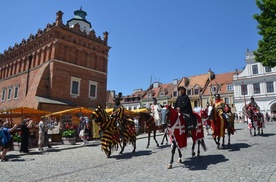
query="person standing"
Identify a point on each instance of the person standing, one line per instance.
(25, 134)
(41, 130)
(48, 125)
(83, 130)
(6, 140)
(184, 106)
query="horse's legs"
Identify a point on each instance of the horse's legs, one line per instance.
(223, 140)
(149, 132)
(217, 140)
(172, 156)
(154, 137)
(218, 143)
(164, 136)
(180, 156)
(193, 149)
(198, 148)
(122, 147)
(134, 145)
(229, 135)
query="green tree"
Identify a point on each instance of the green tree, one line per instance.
(266, 52)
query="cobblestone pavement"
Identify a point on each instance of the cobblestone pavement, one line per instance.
(246, 159)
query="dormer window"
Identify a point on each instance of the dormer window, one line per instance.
(189, 92)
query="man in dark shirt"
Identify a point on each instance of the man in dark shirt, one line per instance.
(184, 106)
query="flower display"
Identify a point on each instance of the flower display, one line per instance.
(69, 131)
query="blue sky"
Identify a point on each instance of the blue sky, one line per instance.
(150, 40)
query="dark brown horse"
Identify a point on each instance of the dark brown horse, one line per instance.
(148, 121)
(178, 133)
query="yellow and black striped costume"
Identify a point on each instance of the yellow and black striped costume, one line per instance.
(126, 127)
(110, 132)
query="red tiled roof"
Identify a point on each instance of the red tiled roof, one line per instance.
(224, 79)
(199, 80)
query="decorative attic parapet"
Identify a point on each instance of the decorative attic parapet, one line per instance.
(58, 23)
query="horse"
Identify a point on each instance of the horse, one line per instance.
(178, 133)
(126, 128)
(222, 121)
(110, 139)
(256, 121)
(148, 121)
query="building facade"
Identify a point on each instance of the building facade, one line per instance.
(255, 81)
(60, 67)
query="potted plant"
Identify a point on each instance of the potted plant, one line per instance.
(69, 135)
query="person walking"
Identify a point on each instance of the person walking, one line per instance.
(6, 140)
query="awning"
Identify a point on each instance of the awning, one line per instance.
(82, 110)
(129, 112)
(23, 112)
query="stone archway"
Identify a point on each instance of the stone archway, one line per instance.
(273, 108)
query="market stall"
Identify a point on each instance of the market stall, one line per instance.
(16, 115)
(65, 118)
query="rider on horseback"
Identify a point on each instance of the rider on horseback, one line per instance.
(252, 107)
(184, 106)
(156, 112)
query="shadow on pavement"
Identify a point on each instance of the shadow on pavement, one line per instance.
(236, 147)
(266, 134)
(202, 162)
(129, 155)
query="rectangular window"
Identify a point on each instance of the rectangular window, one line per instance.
(174, 94)
(269, 87)
(267, 69)
(16, 90)
(256, 88)
(230, 87)
(255, 69)
(92, 89)
(244, 89)
(75, 86)
(4, 93)
(226, 100)
(196, 92)
(9, 93)
(214, 89)
(195, 103)
(189, 92)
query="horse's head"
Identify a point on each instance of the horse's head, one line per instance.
(100, 116)
(171, 115)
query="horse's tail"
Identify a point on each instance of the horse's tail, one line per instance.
(203, 145)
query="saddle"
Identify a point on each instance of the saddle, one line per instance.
(191, 121)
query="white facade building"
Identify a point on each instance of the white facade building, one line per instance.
(255, 81)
